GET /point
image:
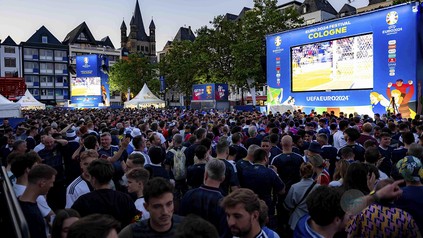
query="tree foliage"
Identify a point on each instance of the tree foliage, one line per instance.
(230, 50)
(179, 67)
(132, 73)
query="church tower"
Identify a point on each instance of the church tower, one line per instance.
(138, 42)
(123, 38)
(152, 28)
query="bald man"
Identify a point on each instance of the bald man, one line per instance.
(288, 166)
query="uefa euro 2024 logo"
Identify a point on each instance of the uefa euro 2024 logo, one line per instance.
(86, 60)
(392, 18)
(278, 41)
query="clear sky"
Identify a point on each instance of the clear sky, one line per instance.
(21, 18)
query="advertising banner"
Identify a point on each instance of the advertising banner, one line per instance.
(87, 66)
(222, 92)
(203, 92)
(364, 60)
(90, 87)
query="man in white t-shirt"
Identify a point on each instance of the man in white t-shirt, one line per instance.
(81, 184)
(338, 138)
(20, 167)
(137, 177)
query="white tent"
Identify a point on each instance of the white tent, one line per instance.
(29, 102)
(145, 98)
(8, 108)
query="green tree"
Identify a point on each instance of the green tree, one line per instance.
(229, 51)
(133, 73)
(178, 67)
(249, 50)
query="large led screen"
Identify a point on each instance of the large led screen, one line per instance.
(84, 86)
(341, 64)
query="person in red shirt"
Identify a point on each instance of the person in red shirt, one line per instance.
(321, 174)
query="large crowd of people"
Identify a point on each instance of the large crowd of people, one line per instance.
(192, 173)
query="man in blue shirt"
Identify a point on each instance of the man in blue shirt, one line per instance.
(242, 208)
(230, 183)
(204, 201)
(263, 181)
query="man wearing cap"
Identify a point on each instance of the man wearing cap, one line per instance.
(411, 200)
(133, 133)
(72, 166)
(313, 149)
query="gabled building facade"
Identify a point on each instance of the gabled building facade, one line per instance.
(314, 11)
(45, 67)
(296, 5)
(347, 10)
(81, 41)
(375, 4)
(10, 58)
(184, 33)
(137, 41)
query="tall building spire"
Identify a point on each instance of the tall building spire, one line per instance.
(141, 35)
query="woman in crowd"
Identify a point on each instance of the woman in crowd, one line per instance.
(63, 220)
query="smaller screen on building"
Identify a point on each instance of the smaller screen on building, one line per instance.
(341, 64)
(86, 86)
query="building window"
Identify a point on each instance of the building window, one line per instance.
(31, 54)
(32, 79)
(142, 48)
(46, 68)
(43, 92)
(59, 92)
(153, 48)
(60, 55)
(46, 54)
(9, 74)
(10, 50)
(44, 39)
(50, 92)
(34, 91)
(10, 62)
(146, 48)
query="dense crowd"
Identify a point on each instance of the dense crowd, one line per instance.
(189, 173)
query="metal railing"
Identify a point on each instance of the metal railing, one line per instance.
(12, 222)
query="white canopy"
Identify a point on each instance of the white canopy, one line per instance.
(8, 108)
(144, 98)
(29, 102)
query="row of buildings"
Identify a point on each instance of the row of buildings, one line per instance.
(47, 64)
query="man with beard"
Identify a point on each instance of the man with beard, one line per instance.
(158, 196)
(242, 208)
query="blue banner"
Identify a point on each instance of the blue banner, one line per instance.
(203, 92)
(87, 66)
(86, 102)
(162, 84)
(90, 89)
(363, 60)
(105, 90)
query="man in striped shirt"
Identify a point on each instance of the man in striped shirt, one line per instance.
(81, 184)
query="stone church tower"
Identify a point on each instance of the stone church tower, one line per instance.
(138, 42)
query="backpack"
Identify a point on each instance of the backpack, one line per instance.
(179, 170)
